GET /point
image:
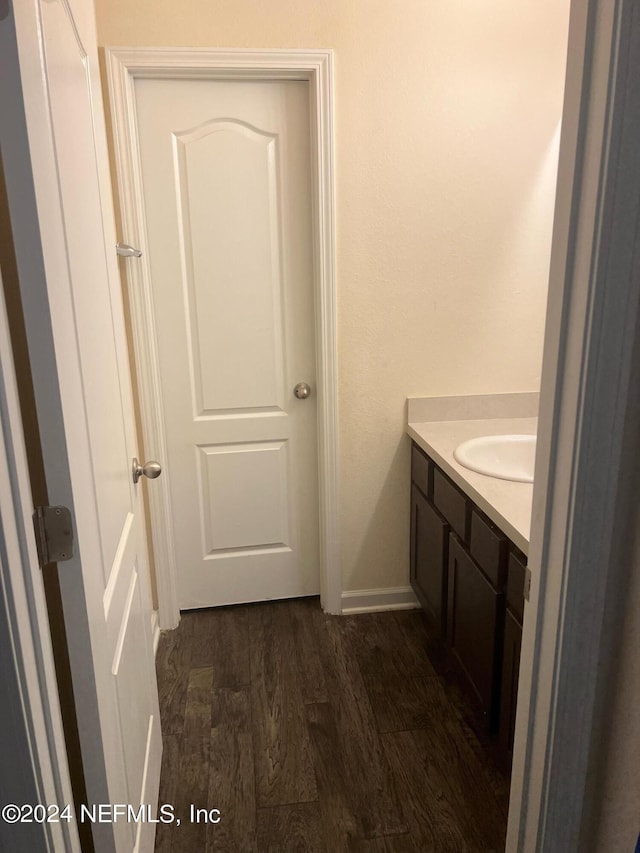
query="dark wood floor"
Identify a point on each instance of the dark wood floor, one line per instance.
(318, 733)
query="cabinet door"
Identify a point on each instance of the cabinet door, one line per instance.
(474, 626)
(509, 689)
(429, 540)
(515, 583)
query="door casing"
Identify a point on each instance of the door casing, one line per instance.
(580, 554)
(124, 65)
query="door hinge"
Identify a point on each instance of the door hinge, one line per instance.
(527, 584)
(54, 534)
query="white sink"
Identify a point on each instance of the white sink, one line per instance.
(508, 457)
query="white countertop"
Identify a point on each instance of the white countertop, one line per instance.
(507, 504)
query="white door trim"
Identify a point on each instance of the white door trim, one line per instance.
(587, 450)
(316, 67)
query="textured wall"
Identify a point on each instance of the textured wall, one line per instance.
(446, 112)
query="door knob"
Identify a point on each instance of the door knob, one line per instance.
(149, 469)
(302, 391)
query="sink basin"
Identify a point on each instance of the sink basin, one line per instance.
(508, 457)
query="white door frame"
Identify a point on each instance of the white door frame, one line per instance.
(589, 418)
(124, 65)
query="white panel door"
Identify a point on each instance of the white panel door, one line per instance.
(226, 193)
(74, 316)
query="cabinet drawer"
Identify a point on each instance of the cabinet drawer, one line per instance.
(515, 584)
(451, 503)
(488, 547)
(474, 627)
(421, 468)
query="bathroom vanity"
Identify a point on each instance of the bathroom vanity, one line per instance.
(469, 540)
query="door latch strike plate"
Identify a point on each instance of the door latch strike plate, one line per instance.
(54, 534)
(527, 584)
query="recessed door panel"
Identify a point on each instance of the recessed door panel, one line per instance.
(227, 189)
(126, 673)
(244, 497)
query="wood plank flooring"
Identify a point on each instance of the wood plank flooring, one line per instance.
(320, 734)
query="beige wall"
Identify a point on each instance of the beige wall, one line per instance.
(445, 115)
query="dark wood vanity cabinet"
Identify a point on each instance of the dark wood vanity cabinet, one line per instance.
(509, 686)
(511, 652)
(474, 628)
(469, 578)
(429, 543)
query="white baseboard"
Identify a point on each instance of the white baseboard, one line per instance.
(373, 600)
(155, 631)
